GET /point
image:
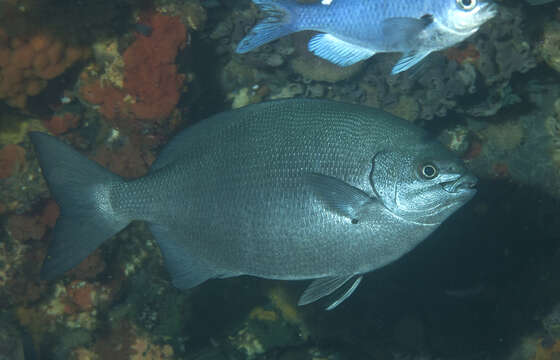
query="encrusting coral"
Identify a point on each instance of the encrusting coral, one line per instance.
(152, 85)
(27, 63)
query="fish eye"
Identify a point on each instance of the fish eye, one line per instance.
(428, 171)
(467, 4)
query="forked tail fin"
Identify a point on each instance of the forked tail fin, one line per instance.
(81, 189)
(278, 21)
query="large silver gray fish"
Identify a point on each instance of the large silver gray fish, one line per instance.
(291, 189)
(354, 30)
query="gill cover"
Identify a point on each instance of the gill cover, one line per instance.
(417, 188)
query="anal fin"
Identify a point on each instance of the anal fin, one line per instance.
(347, 293)
(338, 51)
(408, 60)
(326, 286)
(186, 270)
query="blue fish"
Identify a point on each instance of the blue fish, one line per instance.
(354, 30)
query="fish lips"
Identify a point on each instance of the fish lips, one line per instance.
(488, 10)
(464, 184)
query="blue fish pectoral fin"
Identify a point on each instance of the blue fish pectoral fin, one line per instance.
(338, 51)
(402, 32)
(186, 270)
(339, 196)
(278, 21)
(326, 286)
(408, 60)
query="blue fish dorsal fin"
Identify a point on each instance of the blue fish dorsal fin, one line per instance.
(408, 60)
(186, 270)
(339, 196)
(338, 51)
(326, 286)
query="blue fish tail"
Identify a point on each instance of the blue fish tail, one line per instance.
(81, 189)
(279, 21)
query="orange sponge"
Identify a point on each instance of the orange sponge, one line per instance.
(26, 64)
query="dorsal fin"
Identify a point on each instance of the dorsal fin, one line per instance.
(171, 151)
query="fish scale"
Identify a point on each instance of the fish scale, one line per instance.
(292, 189)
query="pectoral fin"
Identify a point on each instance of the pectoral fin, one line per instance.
(402, 32)
(339, 196)
(322, 287)
(338, 51)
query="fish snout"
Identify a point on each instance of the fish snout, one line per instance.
(465, 183)
(488, 10)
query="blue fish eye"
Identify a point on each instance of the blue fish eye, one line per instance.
(467, 4)
(428, 171)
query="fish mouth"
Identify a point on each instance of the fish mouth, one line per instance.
(465, 183)
(487, 10)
